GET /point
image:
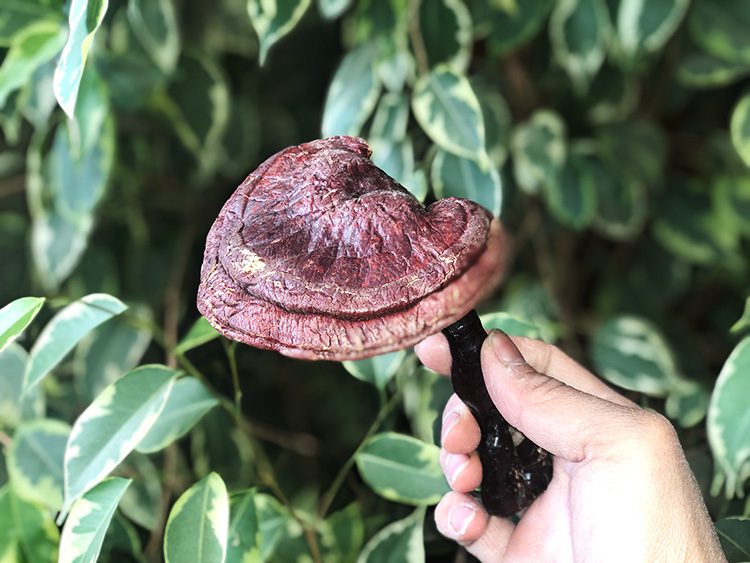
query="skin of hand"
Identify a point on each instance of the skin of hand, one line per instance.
(621, 489)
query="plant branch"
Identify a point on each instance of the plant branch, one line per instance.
(417, 41)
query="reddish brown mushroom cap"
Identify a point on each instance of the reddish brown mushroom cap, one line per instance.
(319, 254)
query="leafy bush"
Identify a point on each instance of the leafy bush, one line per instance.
(611, 136)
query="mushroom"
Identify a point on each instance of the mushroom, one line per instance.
(319, 254)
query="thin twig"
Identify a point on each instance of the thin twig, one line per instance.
(417, 41)
(173, 293)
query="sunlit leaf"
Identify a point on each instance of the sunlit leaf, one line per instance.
(352, 93)
(112, 426)
(740, 128)
(198, 523)
(200, 333)
(402, 469)
(447, 109)
(399, 541)
(35, 461)
(16, 316)
(89, 518)
(65, 330)
(454, 176)
(84, 19)
(273, 19)
(539, 150)
(188, 402)
(31, 48)
(728, 420)
(154, 23)
(27, 531)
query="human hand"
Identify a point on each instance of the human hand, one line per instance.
(621, 488)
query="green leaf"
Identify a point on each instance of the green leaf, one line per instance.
(399, 541)
(445, 27)
(198, 524)
(243, 545)
(65, 330)
(18, 14)
(391, 117)
(572, 199)
(402, 469)
(632, 353)
(378, 370)
(154, 23)
(645, 27)
(15, 406)
(89, 518)
(425, 394)
(703, 70)
(93, 124)
(580, 32)
(511, 324)
(352, 94)
(539, 150)
(731, 198)
(273, 19)
(121, 541)
(31, 48)
(27, 532)
(740, 128)
(110, 351)
(720, 28)
(728, 420)
(35, 461)
(447, 109)
(112, 426)
(188, 402)
(332, 9)
(16, 316)
(396, 158)
(734, 535)
(454, 176)
(514, 22)
(743, 323)
(273, 519)
(498, 122)
(199, 334)
(688, 404)
(621, 205)
(346, 534)
(84, 20)
(395, 65)
(143, 502)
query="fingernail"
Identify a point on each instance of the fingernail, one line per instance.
(453, 465)
(460, 518)
(449, 421)
(504, 348)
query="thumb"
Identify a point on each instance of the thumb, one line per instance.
(561, 419)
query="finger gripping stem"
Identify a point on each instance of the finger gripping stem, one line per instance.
(514, 469)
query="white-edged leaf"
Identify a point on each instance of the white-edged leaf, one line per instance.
(455, 176)
(346, 533)
(84, 19)
(65, 330)
(510, 23)
(740, 128)
(391, 117)
(244, 538)
(646, 26)
(187, 403)
(16, 406)
(402, 469)
(352, 94)
(580, 31)
(332, 9)
(378, 370)
(154, 23)
(112, 426)
(572, 199)
(89, 518)
(18, 14)
(720, 28)
(27, 531)
(198, 524)
(632, 353)
(399, 541)
(35, 461)
(143, 502)
(445, 26)
(396, 158)
(704, 70)
(200, 333)
(16, 316)
(729, 420)
(273, 19)
(539, 150)
(32, 47)
(688, 404)
(448, 110)
(511, 324)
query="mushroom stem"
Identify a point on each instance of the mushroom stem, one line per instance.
(514, 470)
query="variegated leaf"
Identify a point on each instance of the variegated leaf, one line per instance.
(89, 518)
(399, 541)
(728, 421)
(198, 524)
(448, 110)
(352, 94)
(396, 158)
(539, 150)
(455, 176)
(16, 316)
(273, 19)
(154, 23)
(720, 28)
(391, 117)
(704, 70)
(112, 426)
(510, 23)
(35, 461)
(244, 538)
(84, 19)
(65, 330)
(572, 198)
(16, 406)
(646, 26)
(511, 324)
(740, 128)
(27, 531)
(402, 469)
(188, 402)
(378, 370)
(332, 9)
(445, 26)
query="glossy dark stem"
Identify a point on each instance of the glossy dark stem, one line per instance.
(514, 470)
